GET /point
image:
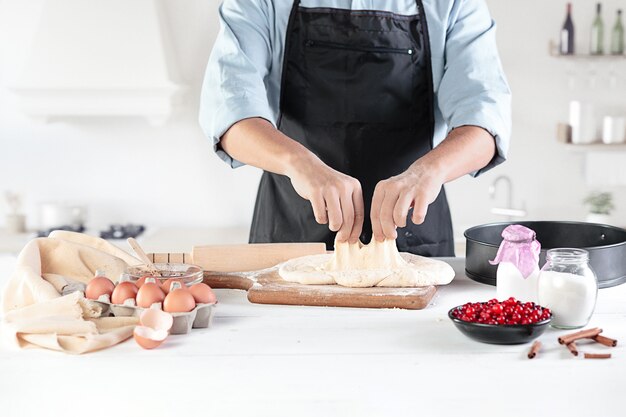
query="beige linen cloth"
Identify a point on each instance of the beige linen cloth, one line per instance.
(36, 314)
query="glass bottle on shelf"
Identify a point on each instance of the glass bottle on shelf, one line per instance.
(566, 40)
(617, 36)
(597, 33)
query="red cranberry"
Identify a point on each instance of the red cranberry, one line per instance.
(511, 301)
(510, 311)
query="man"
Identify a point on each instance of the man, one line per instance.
(357, 110)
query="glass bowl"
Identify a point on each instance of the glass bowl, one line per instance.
(189, 274)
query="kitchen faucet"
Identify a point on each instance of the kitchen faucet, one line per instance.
(507, 211)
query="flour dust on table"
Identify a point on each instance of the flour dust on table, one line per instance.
(377, 264)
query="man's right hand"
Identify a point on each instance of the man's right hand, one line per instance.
(336, 198)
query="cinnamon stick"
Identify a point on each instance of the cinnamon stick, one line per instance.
(572, 348)
(597, 355)
(588, 333)
(606, 341)
(534, 349)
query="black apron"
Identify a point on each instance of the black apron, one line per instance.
(356, 91)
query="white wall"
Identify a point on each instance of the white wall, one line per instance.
(117, 166)
(124, 169)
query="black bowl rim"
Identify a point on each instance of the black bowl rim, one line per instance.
(588, 248)
(496, 326)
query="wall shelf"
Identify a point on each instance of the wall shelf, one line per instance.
(596, 147)
(553, 50)
(588, 57)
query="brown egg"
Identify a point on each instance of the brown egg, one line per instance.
(99, 286)
(167, 285)
(153, 329)
(149, 338)
(203, 294)
(142, 280)
(179, 301)
(148, 294)
(123, 291)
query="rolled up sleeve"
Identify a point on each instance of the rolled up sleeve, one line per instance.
(233, 87)
(473, 90)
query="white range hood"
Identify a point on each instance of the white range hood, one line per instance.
(99, 58)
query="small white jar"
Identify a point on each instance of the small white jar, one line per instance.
(568, 287)
(511, 283)
(518, 264)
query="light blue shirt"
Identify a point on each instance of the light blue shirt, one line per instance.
(243, 76)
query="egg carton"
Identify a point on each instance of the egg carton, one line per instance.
(200, 317)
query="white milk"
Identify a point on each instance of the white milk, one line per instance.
(572, 298)
(511, 283)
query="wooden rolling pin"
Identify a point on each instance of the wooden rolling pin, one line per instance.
(241, 258)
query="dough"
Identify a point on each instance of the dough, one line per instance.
(306, 270)
(377, 264)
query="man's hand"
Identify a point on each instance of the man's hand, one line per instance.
(417, 187)
(336, 198)
(466, 149)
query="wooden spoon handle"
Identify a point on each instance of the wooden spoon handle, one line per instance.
(142, 256)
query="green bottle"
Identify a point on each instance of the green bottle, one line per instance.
(597, 33)
(617, 36)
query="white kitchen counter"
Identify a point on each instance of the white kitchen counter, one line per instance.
(260, 360)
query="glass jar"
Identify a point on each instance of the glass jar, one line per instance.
(568, 287)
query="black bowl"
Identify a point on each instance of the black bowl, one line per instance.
(500, 334)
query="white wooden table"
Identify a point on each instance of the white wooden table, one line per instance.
(260, 360)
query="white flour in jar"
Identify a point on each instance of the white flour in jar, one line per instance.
(572, 298)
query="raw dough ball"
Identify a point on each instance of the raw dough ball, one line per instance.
(306, 270)
(376, 264)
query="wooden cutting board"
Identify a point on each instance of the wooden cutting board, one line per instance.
(267, 287)
(260, 278)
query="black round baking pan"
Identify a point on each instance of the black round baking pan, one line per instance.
(606, 246)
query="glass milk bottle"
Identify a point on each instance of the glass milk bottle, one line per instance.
(569, 287)
(518, 264)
